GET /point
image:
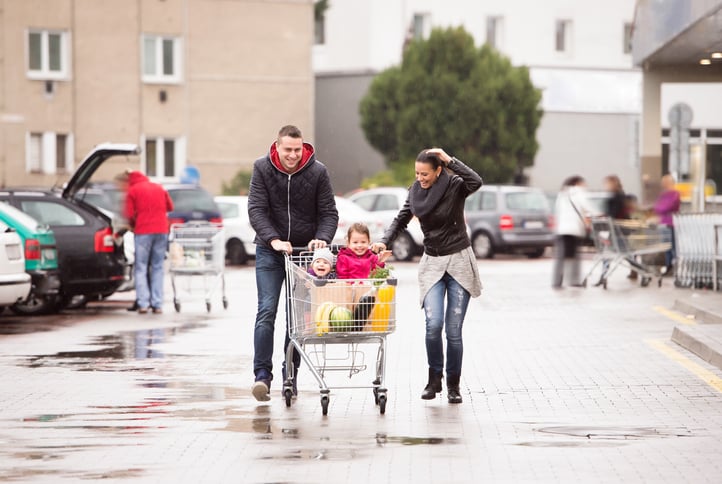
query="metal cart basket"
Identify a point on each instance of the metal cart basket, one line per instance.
(331, 322)
(632, 243)
(196, 250)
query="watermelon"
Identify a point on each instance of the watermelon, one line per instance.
(341, 319)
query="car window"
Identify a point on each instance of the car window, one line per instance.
(387, 202)
(228, 210)
(51, 213)
(472, 202)
(488, 201)
(365, 201)
(533, 201)
(188, 200)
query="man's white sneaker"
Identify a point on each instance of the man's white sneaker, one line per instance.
(260, 390)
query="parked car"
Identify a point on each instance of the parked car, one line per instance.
(90, 258)
(191, 203)
(14, 281)
(385, 203)
(350, 213)
(238, 231)
(509, 219)
(41, 260)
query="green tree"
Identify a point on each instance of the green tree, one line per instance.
(238, 185)
(447, 92)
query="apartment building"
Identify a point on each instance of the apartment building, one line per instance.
(204, 83)
(578, 53)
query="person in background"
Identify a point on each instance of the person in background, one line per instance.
(665, 207)
(146, 207)
(616, 208)
(322, 264)
(290, 204)
(356, 261)
(572, 213)
(448, 269)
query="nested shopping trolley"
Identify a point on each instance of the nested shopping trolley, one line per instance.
(633, 243)
(332, 323)
(196, 251)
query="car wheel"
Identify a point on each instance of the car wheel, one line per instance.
(536, 253)
(35, 305)
(403, 247)
(482, 246)
(235, 253)
(77, 301)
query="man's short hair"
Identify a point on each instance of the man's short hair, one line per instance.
(291, 131)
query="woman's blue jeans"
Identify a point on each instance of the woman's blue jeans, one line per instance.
(457, 301)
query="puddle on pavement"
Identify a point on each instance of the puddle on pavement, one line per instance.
(383, 439)
(616, 433)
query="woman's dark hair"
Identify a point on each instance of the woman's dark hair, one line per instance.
(430, 158)
(573, 181)
(615, 182)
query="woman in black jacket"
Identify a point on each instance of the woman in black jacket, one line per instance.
(448, 266)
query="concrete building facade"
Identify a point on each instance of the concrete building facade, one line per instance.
(579, 54)
(195, 82)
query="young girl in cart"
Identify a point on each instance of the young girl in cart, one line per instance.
(356, 260)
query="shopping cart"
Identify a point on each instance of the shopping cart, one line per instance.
(196, 250)
(331, 322)
(631, 243)
(696, 245)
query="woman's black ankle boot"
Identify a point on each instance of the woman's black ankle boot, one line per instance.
(452, 382)
(433, 387)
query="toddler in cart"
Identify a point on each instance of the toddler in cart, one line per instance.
(322, 264)
(356, 260)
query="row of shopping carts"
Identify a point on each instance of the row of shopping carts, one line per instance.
(698, 243)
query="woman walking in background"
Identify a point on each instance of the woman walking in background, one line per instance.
(665, 207)
(572, 214)
(448, 267)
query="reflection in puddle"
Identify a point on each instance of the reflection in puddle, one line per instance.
(383, 439)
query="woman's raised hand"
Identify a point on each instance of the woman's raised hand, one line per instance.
(377, 247)
(443, 155)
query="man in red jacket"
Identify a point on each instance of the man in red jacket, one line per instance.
(146, 207)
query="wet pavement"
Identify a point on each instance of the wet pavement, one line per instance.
(558, 386)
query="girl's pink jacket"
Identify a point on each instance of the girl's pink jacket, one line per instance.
(351, 266)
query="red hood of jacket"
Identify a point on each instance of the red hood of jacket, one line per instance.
(136, 177)
(305, 157)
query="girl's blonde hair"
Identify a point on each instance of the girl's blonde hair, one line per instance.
(359, 228)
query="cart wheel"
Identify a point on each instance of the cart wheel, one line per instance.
(584, 283)
(645, 281)
(382, 403)
(659, 282)
(324, 404)
(376, 396)
(288, 395)
(604, 283)
(208, 306)
(225, 303)
(177, 306)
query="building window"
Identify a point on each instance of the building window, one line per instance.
(49, 153)
(319, 21)
(421, 26)
(161, 59)
(627, 39)
(563, 36)
(47, 54)
(494, 27)
(163, 157)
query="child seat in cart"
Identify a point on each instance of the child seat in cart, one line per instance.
(331, 322)
(196, 251)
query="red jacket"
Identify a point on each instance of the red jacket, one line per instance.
(147, 205)
(351, 266)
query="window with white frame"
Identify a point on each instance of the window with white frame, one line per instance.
(421, 26)
(48, 55)
(161, 59)
(494, 26)
(164, 157)
(627, 38)
(49, 153)
(563, 36)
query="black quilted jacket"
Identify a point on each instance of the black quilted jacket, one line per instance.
(294, 207)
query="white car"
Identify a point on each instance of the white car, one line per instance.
(14, 281)
(350, 213)
(385, 203)
(238, 231)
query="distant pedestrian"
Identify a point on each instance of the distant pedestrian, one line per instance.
(572, 213)
(290, 204)
(665, 207)
(447, 269)
(356, 261)
(146, 207)
(617, 208)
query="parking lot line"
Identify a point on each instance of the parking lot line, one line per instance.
(700, 372)
(674, 315)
